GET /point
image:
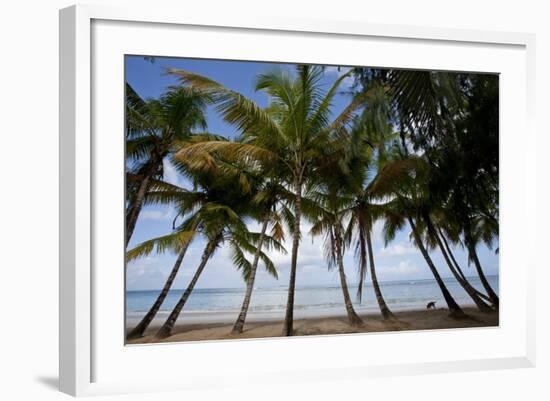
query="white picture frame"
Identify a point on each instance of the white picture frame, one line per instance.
(82, 344)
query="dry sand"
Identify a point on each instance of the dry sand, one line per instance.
(409, 320)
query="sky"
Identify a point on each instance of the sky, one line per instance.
(399, 260)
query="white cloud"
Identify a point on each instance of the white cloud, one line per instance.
(310, 251)
(140, 266)
(149, 272)
(399, 249)
(171, 175)
(166, 213)
(377, 229)
(403, 268)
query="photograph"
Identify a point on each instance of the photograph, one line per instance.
(270, 199)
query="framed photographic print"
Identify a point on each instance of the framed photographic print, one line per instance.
(340, 187)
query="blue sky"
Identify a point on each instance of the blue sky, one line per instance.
(400, 260)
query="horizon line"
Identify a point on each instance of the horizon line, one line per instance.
(313, 286)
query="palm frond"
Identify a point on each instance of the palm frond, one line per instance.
(172, 242)
(240, 261)
(236, 108)
(234, 150)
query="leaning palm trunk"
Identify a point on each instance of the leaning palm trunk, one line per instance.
(289, 315)
(239, 324)
(384, 309)
(457, 266)
(490, 292)
(353, 317)
(482, 306)
(138, 331)
(455, 310)
(133, 210)
(448, 250)
(168, 326)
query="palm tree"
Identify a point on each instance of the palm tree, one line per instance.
(167, 327)
(223, 200)
(471, 244)
(473, 214)
(470, 202)
(411, 203)
(453, 118)
(434, 239)
(426, 105)
(449, 230)
(184, 240)
(178, 241)
(191, 205)
(362, 216)
(154, 129)
(291, 132)
(266, 193)
(220, 224)
(368, 137)
(270, 199)
(329, 223)
(350, 196)
(455, 310)
(486, 230)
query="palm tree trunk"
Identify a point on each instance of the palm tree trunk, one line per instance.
(133, 210)
(457, 266)
(353, 317)
(448, 249)
(490, 292)
(239, 324)
(384, 309)
(455, 310)
(482, 306)
(289, 315)
(168, 326)
(138, 331)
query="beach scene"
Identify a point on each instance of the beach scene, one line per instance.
(277, 200)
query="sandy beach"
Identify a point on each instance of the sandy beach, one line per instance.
(258, 328)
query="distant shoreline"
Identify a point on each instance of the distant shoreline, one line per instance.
(193, 330)
(283, 286)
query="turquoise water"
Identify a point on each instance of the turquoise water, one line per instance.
(309, 301)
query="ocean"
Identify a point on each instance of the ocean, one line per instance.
(221, 305)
